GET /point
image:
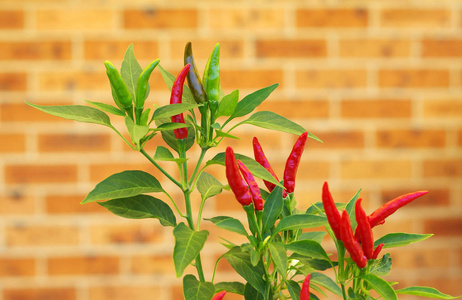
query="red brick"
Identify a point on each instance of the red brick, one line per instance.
(313, 170)
(376, 108)
(435, 197)
(89, 265)
(442, 48)
(11, 19)
(61, 293)
(115, 49)
(420, 259)
(338, 140)
(285, 48)
(325, 18)
(251, 79)
(407, 138)
(442, 108)
(160, 19)
(66, 204)
(202, 49)
(304, 109)
(380, 48)
(31, 173)
(459, 138)
(331, 78)
(123, 292)
(376, 169)
(226, 202)
(448, 226)
(415, 18)
(130, 233)
(35, 50)
(41, 235)
(74, 80)
(13, 82)
(75, 19)
(246, 18)
(414, 78)
(152, 264)
(12, 142)
(74, 142)
(21, 112)
(17, 267)
(102, 171)
(443, 168)
(16, 203)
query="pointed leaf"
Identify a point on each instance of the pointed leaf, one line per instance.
(279, 256)
(107, 108)
(170, 110)
(326, 282)
(169, 136)
(294, 289)
(141, 207)
(194, 289)
(400, 239)
(272, 209)
(163, 154)
(308, 248)
(295, 222)
(228, 104)
(188, 244)
(123, 185)
(137, 132)
(382, 287)
(271, 120)
(208, 186)
(79, 113)
(252, 101)
(381, 267)
(424, 291)
(229, 223)
(232, 287)
(316, 236)
(171, 126)
(130, 70)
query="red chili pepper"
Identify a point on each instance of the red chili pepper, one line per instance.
(292, 163)
(305, 292)
(377, 251)
(177, 93)
(351, 244)
(253, 186)
(236, 183)
(365, 231)
(379, 215)
(219, 295)
(263, 161)
(332, 213)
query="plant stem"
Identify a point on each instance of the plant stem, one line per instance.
(196, 169)
(160, 168)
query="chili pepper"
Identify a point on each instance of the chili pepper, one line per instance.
(194, 80)
(177, 93)
(122, 98)
(379, 215)
(377, 251)
(351, 244)
(292, 163)
(219, 295)
(235, 180)
(212, 81)
(142, 88)
(364, 230)
(253, 186)
(305, 292)
(332, 213)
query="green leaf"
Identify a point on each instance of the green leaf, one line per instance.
(141, 207)
(107, 108)
(400, 239)
(382, 287)
(326, 282)
(308, 248)
(229, 224)
(163, 154)
(170, 79)
(250, 293)
(194, 289)
(316, 236)
(279, 256)
(137, 132)
(232, 287)
(123, 185)
(272, 209)
(252, 101)
(170, 110)
(221, 133)
(171, 126)
(228, 104)
(381, 267)
(78, 113)
(241, 263)
(169, 136)
(130, 70)
(208, 186)
(424, 291)
(188, 244)
(350, 208)
(295, 222)
(273, 121)
(294, 289)
(255, 168)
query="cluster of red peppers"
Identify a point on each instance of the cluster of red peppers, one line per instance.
(360, 244)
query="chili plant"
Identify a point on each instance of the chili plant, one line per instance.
(280, 260)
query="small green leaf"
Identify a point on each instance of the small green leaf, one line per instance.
(229, 223)
(308, 248)
(221, 133)
(295, 222)
(381, 267)
(232, 287)
(194, 289)
(78, 113)
(137, 132)
(169, 136)
(141, 207)
(326, 282)
(228, 104)
(188, 244)
(170, 110)
(279, 256)
(123, 185)
(400, 239)
(316, 236)
(382, 287)
(272, 209)
(163, 154)
(273, 121)
(424, 291)
(171, 126)
(350, 208)
(208, 186)
(252, 101)
(130, 70)
(294, 289)
(170, 79)
(107, 108)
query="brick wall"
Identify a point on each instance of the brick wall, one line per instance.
(379, 81)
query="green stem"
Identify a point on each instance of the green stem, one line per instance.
(160, 168)
(174, 204)
(196, 169)
(123, 138)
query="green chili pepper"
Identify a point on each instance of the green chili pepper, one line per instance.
(142, 89)
(194, 80)
(212, 80)
(120, 88)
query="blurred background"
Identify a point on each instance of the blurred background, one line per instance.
(380, 82)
